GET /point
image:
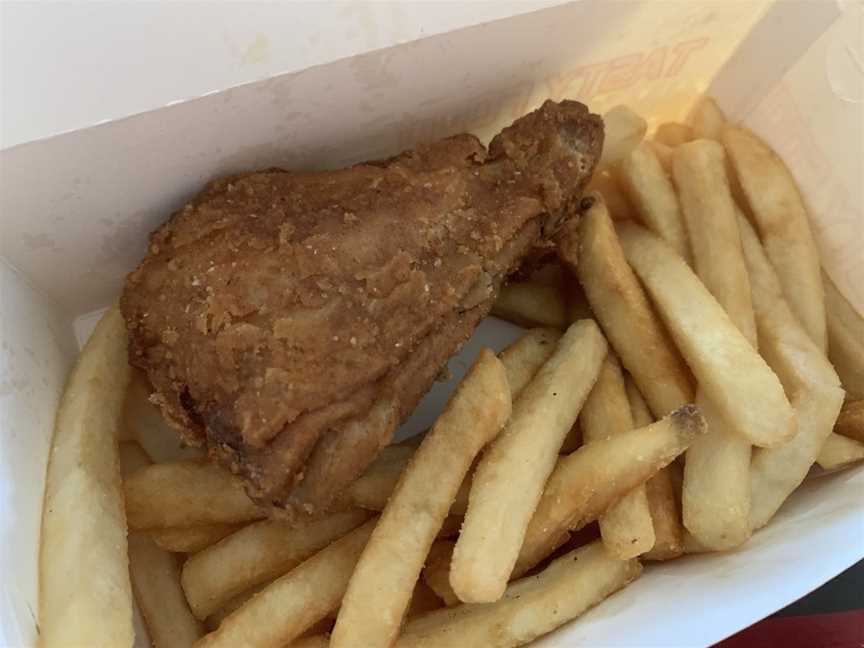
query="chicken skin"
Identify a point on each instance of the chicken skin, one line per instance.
(291, 321)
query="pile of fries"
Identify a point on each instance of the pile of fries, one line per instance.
(677, 391)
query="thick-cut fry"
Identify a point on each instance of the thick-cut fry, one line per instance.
(807, 376)
(532, 304)
(256, 554)
(845, 339)
(530, 607)
(186, 493)
(436, 573)
(746, 392)
(594, 253)
(624, 129)
(626, 527)
(85, 594)
(293, 603)
(651, 192)
(716, 492)
(706, 119)
(783, 225)
(604, 183)
(523, 359)
(380, 588)
(850, 423)
(192, 539)
(839, 451)
(509, 479)
(586, 483)
(673, 134)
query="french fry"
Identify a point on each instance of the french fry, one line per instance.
(603, 182)
(624, 129)
(744, 389)
(706, 119)
(523, 359)
(186, 493)
(586, 483)
(850, 423)
(806, 375)
(293, 603)
(626, 527)
(592, 250)
(508, 481)
(673, 134)
(839, 452)
(255, 554)
(639, 409)
(380, 588)
(664, 155)
(191, 539)
(716, 491)
(845, 339)
(85, 593)
(530, 607)
(214, 620)
(532, 304)
(436, 573)
(781, 218)
(313, 641)
(651, 192)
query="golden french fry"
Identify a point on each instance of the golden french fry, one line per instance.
(850, 423)
(845, 339)
(586, 483)
(380, 588)
(839, 452)
(806, 375)
(651, 192)
(530, 607)
(783, 225)
(293, 603)
(186, 493)
(673, 134)
(744, 389)
(706, 119)
(603, 182)
(523, 359)
(592, 250)
(256, 554)
(626, 527)
(532, 304)
(85, 593)
(436, 573)
(624, 129)
(191, 539)
(508, 481)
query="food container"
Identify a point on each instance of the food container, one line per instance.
(76, 208)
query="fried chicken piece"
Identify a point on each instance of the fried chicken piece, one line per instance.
(291, 321)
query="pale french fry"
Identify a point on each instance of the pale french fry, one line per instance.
(85, 593)
(530, 607)
(255, 554)
(214, 620)
(706, 119)
(664, 155)
(508, 481)
(850, 423)
(592, 250)
(523, 359)
(716, 491)
(380, 588)
(624, 129)
(845, 339)
(673, 134)
(806, 375)
(186, 493)
(436, 573)
(839, 452)
(603, 182)
(191, 539)
(651, 192)
(293, 603)
(626, 527)
(532, 304)
(744, 389)
(586, 483)
(781, 218)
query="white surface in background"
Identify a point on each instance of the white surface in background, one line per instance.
(67, 65)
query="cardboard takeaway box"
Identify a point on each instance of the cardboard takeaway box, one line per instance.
(76, 209)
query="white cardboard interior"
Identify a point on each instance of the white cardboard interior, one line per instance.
(76, 210)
